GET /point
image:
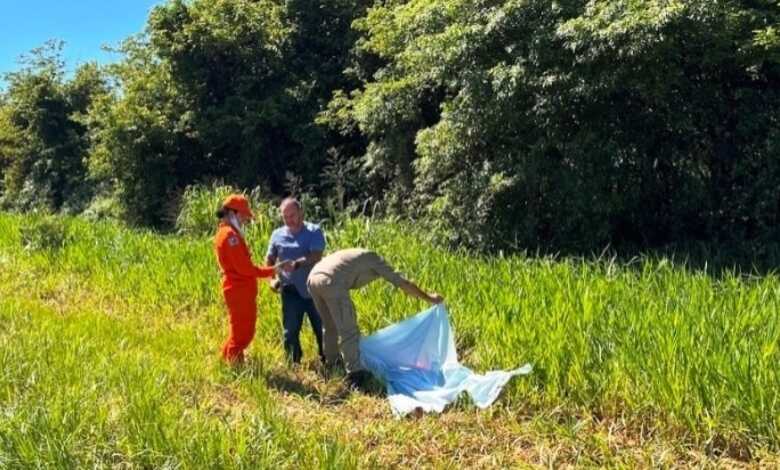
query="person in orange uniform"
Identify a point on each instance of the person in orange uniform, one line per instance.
(239, 275)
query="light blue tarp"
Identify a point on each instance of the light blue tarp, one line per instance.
(417, 360)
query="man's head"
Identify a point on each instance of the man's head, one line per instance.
(292, 214)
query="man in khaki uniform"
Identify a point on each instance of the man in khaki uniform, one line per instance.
(329, 284)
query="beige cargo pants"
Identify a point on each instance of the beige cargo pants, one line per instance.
(339, 323)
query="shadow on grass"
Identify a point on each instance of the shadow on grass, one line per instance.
(323, 392)
(375, 388)
(284, 383)
(251, 369)
(715, 260)
(327, 391)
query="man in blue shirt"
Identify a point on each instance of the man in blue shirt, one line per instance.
(302, 243)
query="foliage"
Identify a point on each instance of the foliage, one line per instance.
(199, 205)
(574, 124)
(518, 124)
(43, 136)
(617, 348)
(198, 208)
(218, 91)
(142, 140)
(44, 232)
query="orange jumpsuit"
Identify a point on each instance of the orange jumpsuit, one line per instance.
(239, 287)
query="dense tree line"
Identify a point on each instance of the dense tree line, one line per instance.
(562, 125)
(43, 132)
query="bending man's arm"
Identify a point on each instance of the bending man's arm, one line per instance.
(411, 289)
(384, 270)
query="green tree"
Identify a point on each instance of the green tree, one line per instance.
(42, 135)
(254, 75)
(144, 145)
(573, 124)
(220, 90)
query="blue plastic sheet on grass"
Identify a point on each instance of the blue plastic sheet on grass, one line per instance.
(416, 358)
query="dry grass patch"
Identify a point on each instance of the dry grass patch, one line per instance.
(467, 437)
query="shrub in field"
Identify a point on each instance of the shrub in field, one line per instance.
(200, 203)
(104, 207)
(198, 206)
(44, 233)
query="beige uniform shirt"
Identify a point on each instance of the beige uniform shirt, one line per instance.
(354, 268)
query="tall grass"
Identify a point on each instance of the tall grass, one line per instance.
(681, 351)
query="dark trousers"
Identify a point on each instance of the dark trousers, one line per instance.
(293, 308)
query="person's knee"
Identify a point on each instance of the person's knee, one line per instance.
(291, 324)
(290, 338)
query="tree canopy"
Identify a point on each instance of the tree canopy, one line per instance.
(516, 124)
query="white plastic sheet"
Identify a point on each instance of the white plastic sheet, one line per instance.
(417, 360)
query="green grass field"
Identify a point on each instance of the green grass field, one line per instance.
(109, 341)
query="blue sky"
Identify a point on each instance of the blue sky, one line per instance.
(84, 25)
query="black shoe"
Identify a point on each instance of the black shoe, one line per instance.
(358, 380)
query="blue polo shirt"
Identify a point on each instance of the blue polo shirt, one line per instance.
(286, 246)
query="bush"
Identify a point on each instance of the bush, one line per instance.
(104, 207)
(198, 206)
(200, 203)
(45, 232)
